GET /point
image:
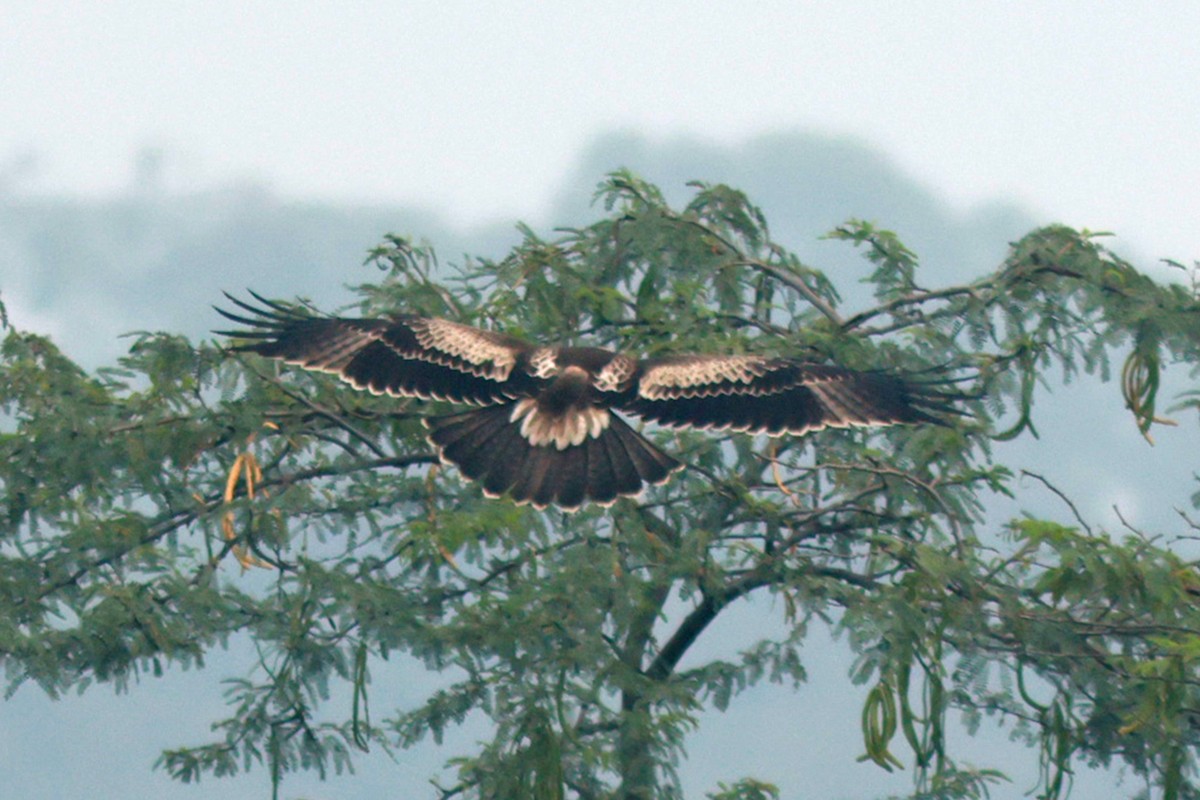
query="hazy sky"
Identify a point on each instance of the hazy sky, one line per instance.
(1086, 112)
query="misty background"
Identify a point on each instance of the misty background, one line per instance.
(153, 157)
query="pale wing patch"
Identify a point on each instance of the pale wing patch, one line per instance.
(485, 349)
(560, 430)
(544, 362)
(690, 376)
(614, 376)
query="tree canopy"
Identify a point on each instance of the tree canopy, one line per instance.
(153, 511)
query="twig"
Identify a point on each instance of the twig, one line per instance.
(1078, 517)
(794, 281)
(321, 411)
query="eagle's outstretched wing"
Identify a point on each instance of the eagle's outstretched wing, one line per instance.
(405, 356)
(760, 394)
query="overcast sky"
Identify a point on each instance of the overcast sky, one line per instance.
(1085, 112)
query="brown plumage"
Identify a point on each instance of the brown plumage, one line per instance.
(547, 433)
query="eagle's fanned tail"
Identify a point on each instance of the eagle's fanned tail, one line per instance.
(487, 445)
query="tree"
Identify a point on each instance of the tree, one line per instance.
(155, 510)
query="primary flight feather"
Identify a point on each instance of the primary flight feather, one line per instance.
(547, 432)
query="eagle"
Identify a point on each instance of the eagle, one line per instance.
(547, 429)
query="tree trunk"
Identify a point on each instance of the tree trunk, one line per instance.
(634, 759)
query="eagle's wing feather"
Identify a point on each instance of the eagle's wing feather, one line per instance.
(760, 394)
(406, 356)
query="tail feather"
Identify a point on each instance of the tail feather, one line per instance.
(571, 477)
(535, 470)
(601, 474)
(454, 427)
(466, 439)
(626, 478)
(506, 464)
(486, 445)
(652, 464)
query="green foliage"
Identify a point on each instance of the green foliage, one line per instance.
(746, 789)
(155, 510)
